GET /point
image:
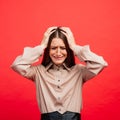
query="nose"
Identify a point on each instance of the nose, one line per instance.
(58, 51)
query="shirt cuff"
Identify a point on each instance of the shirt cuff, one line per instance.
(32, 54)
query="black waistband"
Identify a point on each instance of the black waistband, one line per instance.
(57, 116)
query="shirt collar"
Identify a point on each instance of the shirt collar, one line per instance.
(53, 66)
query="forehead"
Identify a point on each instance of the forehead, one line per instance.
(57, 42)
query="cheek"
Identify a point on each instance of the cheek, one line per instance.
(51, 52)
(65, 52)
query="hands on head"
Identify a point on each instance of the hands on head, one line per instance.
(46, 36)
(68, 33)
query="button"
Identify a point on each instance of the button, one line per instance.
(58, 98)
(59, 109)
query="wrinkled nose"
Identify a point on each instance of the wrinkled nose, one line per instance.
(58, 51)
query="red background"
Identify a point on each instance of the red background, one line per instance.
(93, 22)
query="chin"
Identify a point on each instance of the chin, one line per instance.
(58, 64)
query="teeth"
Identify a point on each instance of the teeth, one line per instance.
(58, 57)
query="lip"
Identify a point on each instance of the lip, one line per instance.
(58, 58)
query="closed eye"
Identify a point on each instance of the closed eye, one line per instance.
(63, 48)
(53, 48)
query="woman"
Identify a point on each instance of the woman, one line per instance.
(58, 79)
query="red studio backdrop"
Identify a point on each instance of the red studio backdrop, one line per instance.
(93, 22)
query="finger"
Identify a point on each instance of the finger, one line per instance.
(47, 34)
(68, 31)
(51, 28)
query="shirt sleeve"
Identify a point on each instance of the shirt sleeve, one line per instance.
(23, 63)
(94, 63)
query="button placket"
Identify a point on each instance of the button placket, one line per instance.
(58, 80)
(58, 89)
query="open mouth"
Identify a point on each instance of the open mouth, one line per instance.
(58, 58)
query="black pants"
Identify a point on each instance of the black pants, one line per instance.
(57, 116)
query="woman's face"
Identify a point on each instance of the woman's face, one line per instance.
(58, 52)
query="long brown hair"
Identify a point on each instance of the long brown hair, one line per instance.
(59, 33)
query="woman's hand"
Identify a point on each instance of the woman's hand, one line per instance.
(46, 36)
(70, 37)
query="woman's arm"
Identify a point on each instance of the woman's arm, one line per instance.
(23, 63)
(94, 62)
